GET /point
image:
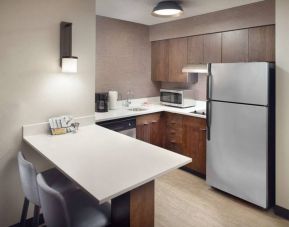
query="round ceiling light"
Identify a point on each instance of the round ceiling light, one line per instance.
(167, 9)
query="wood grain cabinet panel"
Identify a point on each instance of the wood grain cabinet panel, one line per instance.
(160, 60)
(196, 49)
(235, 46)
(194, 143)
(213, 48)
(173, 132)
(149, 129)
(178, 49)
(262, 44)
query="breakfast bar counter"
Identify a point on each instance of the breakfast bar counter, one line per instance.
(110, 167)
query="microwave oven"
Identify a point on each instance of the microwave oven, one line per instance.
(177, 98)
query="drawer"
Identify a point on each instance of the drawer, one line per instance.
(174, 138)
(174, 119)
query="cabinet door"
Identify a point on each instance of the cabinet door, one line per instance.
(160, 60)
(177, 59)
(202, 147)
(235, 46)
(148, 129)
(262, 44)
(194, 143)
(196, 49)
(213, 48)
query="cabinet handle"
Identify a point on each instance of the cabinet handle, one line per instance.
(203, 129)
(154, 122)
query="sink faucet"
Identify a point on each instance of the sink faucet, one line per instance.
(128, 99)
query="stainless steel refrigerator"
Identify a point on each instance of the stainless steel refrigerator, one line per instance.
(241, 130)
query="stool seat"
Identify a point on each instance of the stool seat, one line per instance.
(71, 209)
(59, 181)
(29, 184)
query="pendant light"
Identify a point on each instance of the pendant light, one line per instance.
(68, 62)
(167, 9)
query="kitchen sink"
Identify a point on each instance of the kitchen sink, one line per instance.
(137, 109)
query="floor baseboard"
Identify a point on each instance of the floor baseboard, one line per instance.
(282, 212)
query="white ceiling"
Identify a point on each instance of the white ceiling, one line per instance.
(139, 11)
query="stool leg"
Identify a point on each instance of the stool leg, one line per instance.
(36, 216)
(24, 212)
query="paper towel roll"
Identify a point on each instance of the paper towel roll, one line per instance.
(112, 99)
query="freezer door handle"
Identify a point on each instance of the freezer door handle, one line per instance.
(208, 119)
(209, 83)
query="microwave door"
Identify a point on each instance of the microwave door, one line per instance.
(166, 97)
(173, 98)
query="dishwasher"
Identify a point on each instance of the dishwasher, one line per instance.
(126, 126)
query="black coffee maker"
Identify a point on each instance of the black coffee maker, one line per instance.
(101, 102)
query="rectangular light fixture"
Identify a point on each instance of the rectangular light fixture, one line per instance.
(68, 62)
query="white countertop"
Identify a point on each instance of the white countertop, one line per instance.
(103, 162)
(153, 107)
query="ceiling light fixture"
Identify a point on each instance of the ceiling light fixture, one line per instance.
(167, 9)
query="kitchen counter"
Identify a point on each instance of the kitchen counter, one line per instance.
(153, 106)
(104, 169)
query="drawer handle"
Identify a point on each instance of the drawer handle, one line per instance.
(203, 129)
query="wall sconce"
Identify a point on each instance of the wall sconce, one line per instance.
(68, 62)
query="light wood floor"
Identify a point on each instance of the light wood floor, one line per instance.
(184, 200)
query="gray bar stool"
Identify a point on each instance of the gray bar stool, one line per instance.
(73, 209)
(28, 176)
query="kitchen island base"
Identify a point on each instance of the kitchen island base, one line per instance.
(134, 208)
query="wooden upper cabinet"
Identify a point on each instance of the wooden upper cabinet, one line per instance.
(196, 49)
(178, 54)
(213, 48)
(235, 46)
(262, 44)
(160, 60)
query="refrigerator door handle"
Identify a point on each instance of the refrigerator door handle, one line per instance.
(208, 103)
(208, 119)
(209, 83)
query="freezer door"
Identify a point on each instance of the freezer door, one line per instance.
(237, 151)
(240, 82)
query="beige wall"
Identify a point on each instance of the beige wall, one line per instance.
(282, 108)
(252, 15)
(32, 89)
(123, 58)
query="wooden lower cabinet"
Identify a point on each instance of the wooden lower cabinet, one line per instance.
(148, 129)
(194, 143)
(185, 135)
(173, 132)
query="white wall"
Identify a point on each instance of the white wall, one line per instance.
(32, 89)
(282, 111)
